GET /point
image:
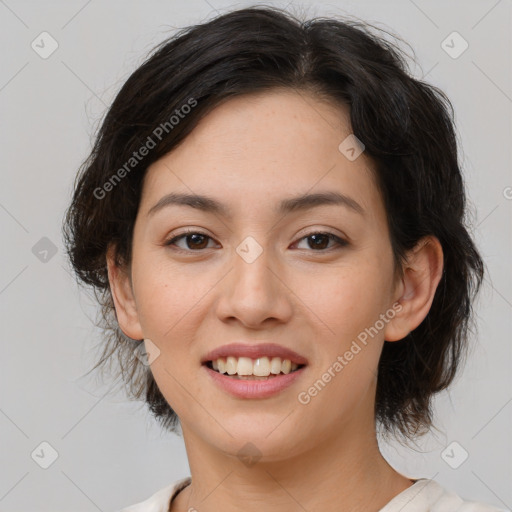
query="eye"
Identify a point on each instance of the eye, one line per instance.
(195, 240)
(319, 240)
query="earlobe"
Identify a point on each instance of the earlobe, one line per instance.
(123, 297)
(421, 276)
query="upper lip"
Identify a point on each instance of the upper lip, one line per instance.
(254, 352)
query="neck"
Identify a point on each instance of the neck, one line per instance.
(344, 467)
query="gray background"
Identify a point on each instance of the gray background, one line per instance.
(110, 452)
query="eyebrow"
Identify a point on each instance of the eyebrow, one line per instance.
(293, 204)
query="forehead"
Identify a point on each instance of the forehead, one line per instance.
(254, 150)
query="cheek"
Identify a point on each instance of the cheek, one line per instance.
(348, 303)
(345, 301)
(160, 307)
(167, 294)
(349, 348)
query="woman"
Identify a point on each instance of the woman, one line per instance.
(272, 216)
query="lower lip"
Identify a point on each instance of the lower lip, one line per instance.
(242, 388)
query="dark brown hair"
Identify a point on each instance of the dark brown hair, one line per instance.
(405, 124)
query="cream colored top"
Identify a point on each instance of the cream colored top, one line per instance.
(424, 495)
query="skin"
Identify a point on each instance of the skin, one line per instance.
(250, 153)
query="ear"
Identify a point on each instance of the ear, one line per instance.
(124, 300)
(422, 272)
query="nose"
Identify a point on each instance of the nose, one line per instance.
(255, 292)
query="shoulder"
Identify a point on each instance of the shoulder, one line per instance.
(427, 495)
(160, 500)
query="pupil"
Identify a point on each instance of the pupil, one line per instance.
(195, 236)
(316, 238)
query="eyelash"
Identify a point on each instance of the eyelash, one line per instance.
(341, 243)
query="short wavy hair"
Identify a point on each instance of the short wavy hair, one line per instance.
(407, 129)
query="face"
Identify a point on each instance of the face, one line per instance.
(311, 278)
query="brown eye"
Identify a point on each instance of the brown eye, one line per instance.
(320, 241)
(193, 241)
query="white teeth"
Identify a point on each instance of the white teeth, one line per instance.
(244, 366)
(231, 365)
(275, 365)
(261, 367)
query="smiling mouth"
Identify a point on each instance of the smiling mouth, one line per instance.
(247, 369)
